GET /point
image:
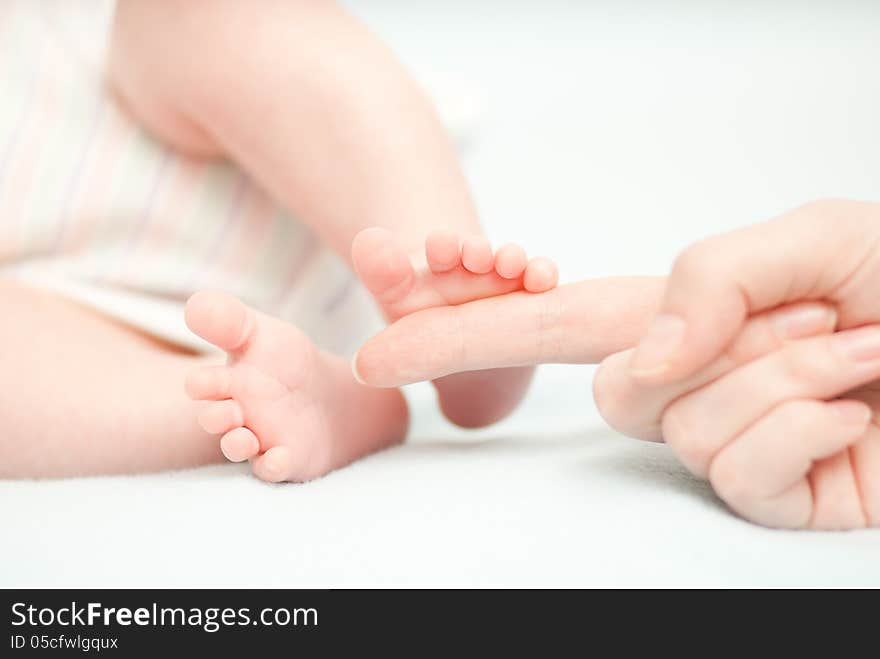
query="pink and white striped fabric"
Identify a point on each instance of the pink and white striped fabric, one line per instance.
(92, 206)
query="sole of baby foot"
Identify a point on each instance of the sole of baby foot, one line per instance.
(293, 411)
(451, 271)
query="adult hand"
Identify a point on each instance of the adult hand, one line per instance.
(787, 438)
(781, 424)
(681, 382)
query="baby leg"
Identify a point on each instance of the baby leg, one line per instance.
(81, 394)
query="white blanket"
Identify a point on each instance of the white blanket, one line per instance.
(616, 136)
(550, 499)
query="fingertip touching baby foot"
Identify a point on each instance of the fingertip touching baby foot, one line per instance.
(453, 270)
(293, 411)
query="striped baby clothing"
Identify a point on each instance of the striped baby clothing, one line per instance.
(93, 207)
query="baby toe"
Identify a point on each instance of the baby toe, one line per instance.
(209, 383)
(442, 251)
(275, 465)
(239, 445)
(220, 319)
(381, 264)
(541, 275)
(476, 255)
(510, 261)
(221, 416)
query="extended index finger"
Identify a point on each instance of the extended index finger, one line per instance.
(579, 323)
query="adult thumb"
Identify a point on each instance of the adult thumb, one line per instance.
(716, 284)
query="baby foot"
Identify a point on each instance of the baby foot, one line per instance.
(451, 272)
(294, 411)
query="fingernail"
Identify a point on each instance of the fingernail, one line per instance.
(860, 345)
(659, 345)
(354, 369)
(803, 321)
(852, 412)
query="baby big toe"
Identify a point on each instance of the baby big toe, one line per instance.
(239, 445)
(382, 265)
(209, 383)
(220, 319)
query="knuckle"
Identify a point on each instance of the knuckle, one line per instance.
(687, 442)
(623, 405)
(696, 261)
(730, 482)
